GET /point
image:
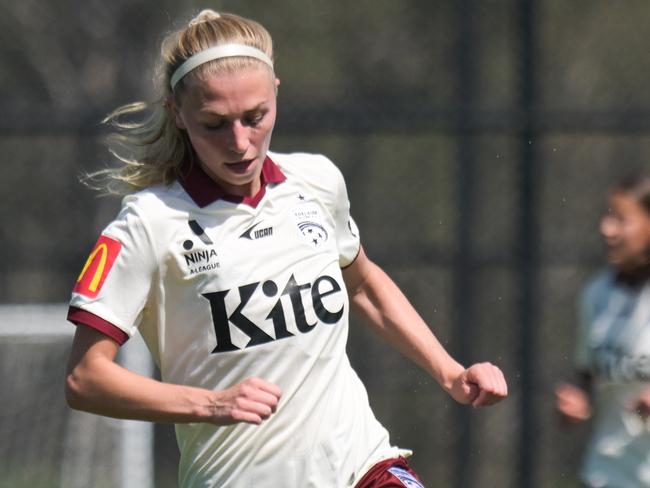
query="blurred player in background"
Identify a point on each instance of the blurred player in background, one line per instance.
(238, 266)
(613, 348)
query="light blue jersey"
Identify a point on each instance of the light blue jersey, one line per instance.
(614, 346)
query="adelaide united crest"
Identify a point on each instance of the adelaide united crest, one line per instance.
(310, 223)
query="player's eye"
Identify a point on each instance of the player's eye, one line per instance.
(214, 125)
(254, 119)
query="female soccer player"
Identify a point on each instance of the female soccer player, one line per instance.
(613, 350)
(239, 266)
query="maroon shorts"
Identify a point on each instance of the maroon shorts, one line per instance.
(390, 473)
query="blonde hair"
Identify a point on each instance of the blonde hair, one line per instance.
(151, 149)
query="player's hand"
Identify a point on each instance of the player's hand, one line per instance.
(480, 385)
(572, 403)
(252, 401)
(641, 405)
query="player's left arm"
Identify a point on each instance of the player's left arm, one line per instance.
(383, 306)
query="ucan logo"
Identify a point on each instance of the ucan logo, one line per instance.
(97, 266)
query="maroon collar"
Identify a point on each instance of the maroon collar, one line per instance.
(205, 191)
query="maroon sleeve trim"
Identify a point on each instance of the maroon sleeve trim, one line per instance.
(82, 317)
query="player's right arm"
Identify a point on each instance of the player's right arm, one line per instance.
(574, 402)
(95, 383)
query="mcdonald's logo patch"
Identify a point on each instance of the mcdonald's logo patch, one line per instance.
(97, 266)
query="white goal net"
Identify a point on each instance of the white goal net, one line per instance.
(45, 444)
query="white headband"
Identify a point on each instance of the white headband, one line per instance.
(217, 52)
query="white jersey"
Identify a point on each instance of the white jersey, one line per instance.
(223, 290)
(614, 346)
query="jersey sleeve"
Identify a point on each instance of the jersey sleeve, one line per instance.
(112, 290)
(347, 233)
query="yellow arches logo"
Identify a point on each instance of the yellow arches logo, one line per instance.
(97, 266)
(94, 283)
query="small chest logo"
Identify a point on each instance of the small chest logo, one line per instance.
(199, 260)
(310, 223)
(255, 231)
(313, 232)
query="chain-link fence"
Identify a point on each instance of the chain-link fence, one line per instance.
(477, 139)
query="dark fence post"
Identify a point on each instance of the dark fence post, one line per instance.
(463, 296)
(527, 252)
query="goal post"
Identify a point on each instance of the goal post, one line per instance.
(45, 443)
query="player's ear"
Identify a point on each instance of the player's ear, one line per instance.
(173, 110)
(277, 84)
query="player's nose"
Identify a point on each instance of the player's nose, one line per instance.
(239, 140)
